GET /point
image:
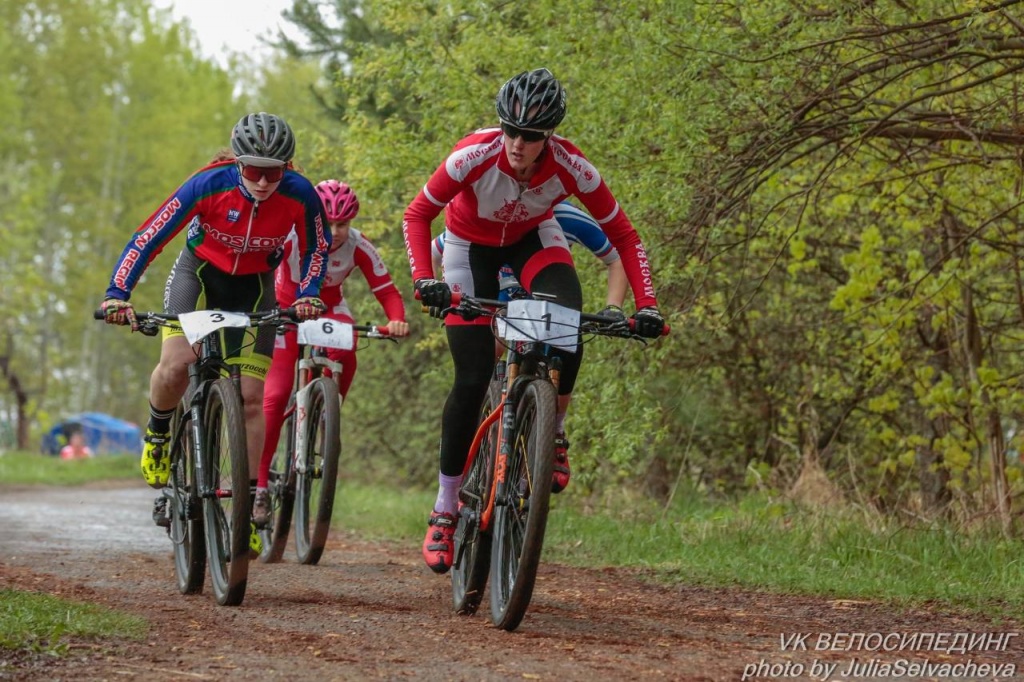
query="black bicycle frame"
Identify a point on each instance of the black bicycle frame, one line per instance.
(200, 376)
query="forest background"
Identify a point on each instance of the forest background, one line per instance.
(830, 194)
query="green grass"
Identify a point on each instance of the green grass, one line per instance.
(21, 468)
(758, 543)
(380, 513)
(41, 623)
(762, 544)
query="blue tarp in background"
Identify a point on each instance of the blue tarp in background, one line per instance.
(104, 434)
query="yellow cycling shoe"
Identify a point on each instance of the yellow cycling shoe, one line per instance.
(255, 542)
(155, 462)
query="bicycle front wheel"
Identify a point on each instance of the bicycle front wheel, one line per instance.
(186, 514)
(226, 494)
(317, 475)
(473, 545)
(281, 486)
(521, 512)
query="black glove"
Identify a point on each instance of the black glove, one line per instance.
(648, 322)
(616, 312)
(434, 294)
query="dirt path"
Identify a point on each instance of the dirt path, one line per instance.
(373, 611)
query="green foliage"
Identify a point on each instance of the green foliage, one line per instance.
(107, 111)
(796, 226)
(829, 195)
(43, 623)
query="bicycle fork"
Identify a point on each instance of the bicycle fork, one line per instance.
(195, 431)
(302, 406)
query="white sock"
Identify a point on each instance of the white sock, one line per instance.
(560, 422)
(447, 494)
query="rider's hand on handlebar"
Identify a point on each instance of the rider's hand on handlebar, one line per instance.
(648, 322)
(309, 308)
(616, 312)
(398, 328)
(433, 293)
(116, 311)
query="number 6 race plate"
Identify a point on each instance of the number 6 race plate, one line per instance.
(326, 333)
(198, 324)
(529, 320)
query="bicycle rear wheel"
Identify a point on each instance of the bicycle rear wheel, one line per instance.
(521, 513)
(186, 514)
(281, 486)
(226, 496)
(317, 475)
(473, 546)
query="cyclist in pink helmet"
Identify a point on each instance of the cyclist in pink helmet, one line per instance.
(340, 201)
(349, 249)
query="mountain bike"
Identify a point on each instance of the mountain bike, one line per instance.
(304, 471)
(506, 488)
(208, 494)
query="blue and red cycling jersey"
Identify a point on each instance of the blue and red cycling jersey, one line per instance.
(230, 230)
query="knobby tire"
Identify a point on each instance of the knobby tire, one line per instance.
(315, 487)
(473, 546)
(226, 507)
(186, 529)
(521, 513)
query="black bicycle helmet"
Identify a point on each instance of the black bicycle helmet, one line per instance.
(262, 140)
(532, 99)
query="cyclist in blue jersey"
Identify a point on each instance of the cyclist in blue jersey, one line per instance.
(236, 212)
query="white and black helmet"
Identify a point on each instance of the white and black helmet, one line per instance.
(262, 140)
(532, 99)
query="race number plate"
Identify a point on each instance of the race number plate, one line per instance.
(530, 320)
(326, 333)
(200, 323)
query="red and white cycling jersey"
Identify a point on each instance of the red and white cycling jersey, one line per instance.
(356, 251)
(485, 204)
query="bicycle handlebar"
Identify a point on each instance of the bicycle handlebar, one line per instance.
(150, 321)
(463, 305)
(374, 331)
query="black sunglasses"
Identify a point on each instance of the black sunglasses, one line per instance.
(528, 135)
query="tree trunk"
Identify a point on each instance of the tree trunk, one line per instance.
(932, 475)
(813, 487)
(991, 417)
(20, 395)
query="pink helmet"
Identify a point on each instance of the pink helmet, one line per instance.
(340, 202)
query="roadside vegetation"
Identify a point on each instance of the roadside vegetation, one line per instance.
(759, 542)
(27, 468)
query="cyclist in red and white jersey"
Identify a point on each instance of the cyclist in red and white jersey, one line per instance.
(497, 189)
(350, 249)
(237, 214)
